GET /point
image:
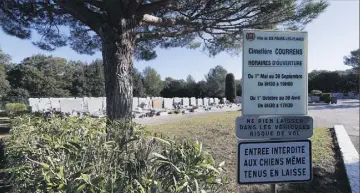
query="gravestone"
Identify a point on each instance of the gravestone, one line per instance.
(135, 102)
(148, 103)
(211, 101)
(142, 102)
(94, 105)
(199, 102)
(177, 100)
(44, 104)
(168, 103)
(70, 105)
(193, 101)
(185, 102)
(55, 103)
(315, 99)
(216, 101)
(205, 101)
(157, 104)
(104, 99)
(238, 100)
(34, 104)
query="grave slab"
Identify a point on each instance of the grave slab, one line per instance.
(185, 101)
(199, 102)
(168, 103)
(193, 101)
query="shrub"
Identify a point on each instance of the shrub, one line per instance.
(15, 108)
(316, 92)
(85, 155)
(326, 97)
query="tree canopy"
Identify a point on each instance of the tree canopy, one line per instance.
(353, 59)
(4, 62)
(152, 82)
(164, 23)
(123, 29)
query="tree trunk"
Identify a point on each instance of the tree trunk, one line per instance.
(117, 50)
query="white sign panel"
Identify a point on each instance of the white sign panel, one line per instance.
(274, 73)
(274, 127)
(274, 162)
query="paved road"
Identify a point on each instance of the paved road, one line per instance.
(346, 112)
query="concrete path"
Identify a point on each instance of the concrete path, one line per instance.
(346, 112)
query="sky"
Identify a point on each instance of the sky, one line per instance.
(331, 36)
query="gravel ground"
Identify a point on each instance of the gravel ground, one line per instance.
(346, 112)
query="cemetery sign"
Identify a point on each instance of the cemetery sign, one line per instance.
(274, 127)
(274, 73)
(274, 162)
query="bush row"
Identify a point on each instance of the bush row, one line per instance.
(85, 155)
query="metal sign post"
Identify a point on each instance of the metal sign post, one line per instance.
(273, 188)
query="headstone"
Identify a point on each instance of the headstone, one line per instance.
(185, 102)
(44, 104)
(315, 99)
(193, 101)
(104, 99)
(211, 101)
(177, 100)
(168, 103)
(70, 105)
(143, 103)
(94, 105)
(205, 101)
(238, 99)
(224, 100)
(199, 102)
(216, 101)
(55, 103)
(157, 104)
(34, 104)
(135, 102)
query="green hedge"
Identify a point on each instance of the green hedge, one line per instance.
(13, 108)
(85, 155)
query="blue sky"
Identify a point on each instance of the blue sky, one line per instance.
(331, 36)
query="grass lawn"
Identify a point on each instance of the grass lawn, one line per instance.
(217, 133)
